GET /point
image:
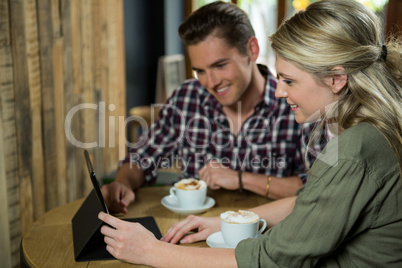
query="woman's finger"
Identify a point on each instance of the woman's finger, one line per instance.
(109, 241)
(180, 229)
(107, 231)
(109, 219)
(191, 238)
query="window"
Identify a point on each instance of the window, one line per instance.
(265, 15)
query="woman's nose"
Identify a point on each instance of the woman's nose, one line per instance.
(280, 92)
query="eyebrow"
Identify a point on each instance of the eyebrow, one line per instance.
(283, 75)
(218, 62)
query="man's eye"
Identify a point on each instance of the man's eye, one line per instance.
(220, 66)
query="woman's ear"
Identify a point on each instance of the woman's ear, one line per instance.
(253, 48)
(338, 81)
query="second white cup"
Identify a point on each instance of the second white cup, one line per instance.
(237, 226)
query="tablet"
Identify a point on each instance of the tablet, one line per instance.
(95, 183)
(88, 241)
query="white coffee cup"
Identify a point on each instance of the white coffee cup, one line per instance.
(189, 193)
(240, 225)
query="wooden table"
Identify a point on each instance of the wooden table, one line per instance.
(49, 243)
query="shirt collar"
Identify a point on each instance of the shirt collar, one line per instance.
(269, 98)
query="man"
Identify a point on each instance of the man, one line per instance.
(226, 127)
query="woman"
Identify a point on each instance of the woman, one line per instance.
(331, 64)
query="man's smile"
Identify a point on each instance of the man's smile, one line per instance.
(222, 91)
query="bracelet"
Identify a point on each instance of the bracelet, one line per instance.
(268, 184)
(240, 182)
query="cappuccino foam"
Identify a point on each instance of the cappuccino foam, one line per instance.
(241, 216)
(190, 184)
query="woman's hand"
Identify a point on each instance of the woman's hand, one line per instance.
(204, 226)
(129, 241)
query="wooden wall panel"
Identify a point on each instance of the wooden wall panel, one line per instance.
(5, 241)
(4, 23)
(55, 56)
(58, 87)
(99, 74)
(35, 109)
(48, 104)
(9, 151)
(116, 79)
(22, 106)
(68, 24)
(87, 129)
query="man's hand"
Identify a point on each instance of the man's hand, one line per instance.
(217, 176)
(118, 196)
(204, 226)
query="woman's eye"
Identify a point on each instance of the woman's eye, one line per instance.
(287, 82)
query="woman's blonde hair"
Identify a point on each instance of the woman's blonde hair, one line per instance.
(345, 33)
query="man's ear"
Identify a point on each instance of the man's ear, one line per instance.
(253, 48)
(338, 81)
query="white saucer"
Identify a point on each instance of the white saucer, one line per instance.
(215, 240)
(170, 203)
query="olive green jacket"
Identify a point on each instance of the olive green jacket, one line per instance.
(349, 214)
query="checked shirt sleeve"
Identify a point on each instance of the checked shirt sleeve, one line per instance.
(156, 147)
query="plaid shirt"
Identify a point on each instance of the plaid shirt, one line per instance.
(193, 129)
